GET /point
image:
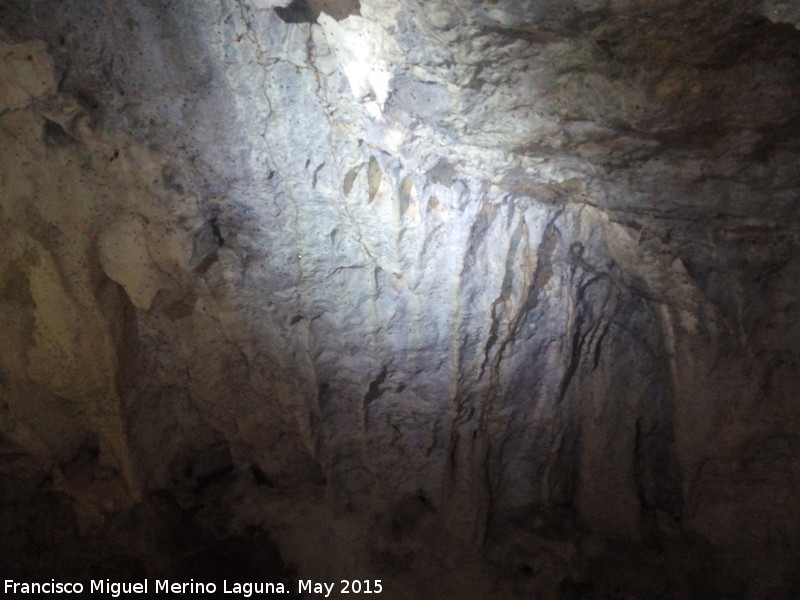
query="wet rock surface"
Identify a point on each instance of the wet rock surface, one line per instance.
(484, 299)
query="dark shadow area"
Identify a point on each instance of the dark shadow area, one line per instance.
(46, 537)
(308, 11)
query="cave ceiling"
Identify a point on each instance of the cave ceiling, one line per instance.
(408, 286)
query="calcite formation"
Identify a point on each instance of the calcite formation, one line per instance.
(482, 299)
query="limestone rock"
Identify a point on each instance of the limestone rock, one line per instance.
(485, 299)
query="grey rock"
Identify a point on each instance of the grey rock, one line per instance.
(485, 299)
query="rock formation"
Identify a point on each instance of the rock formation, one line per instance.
(492, 299)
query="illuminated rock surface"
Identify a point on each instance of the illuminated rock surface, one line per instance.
(482, 299)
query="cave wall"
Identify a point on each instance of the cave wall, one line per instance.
(418, 280)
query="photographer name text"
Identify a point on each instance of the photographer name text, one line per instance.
(116, 589)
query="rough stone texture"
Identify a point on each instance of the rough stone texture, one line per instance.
(485, 299)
